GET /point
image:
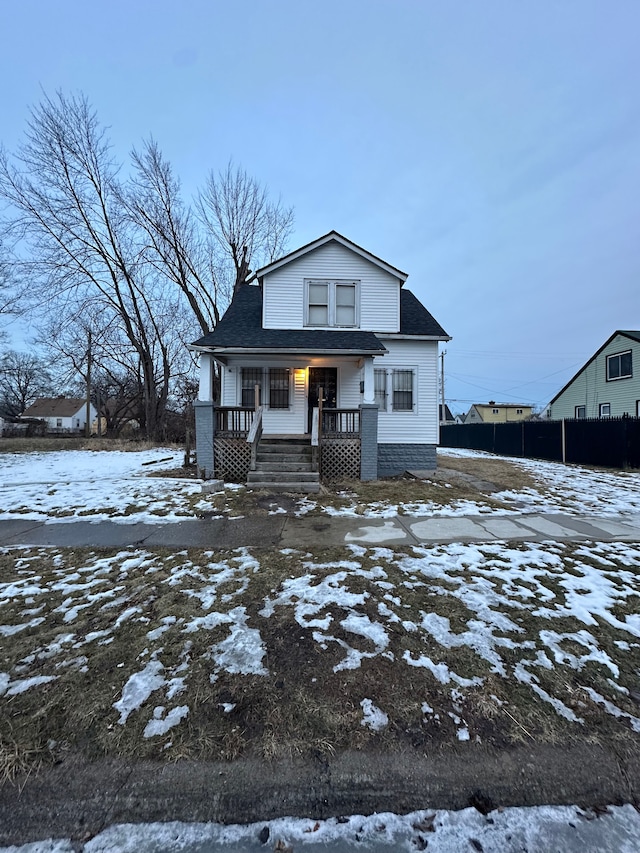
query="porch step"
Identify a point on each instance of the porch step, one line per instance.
(284, 464)
(277, 458)
(301, 488)
(282, 476)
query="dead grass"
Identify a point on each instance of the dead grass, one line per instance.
(306, 705)
(47, 445)
(499, 473)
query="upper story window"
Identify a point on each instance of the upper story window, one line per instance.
(331, 302)
(619, 366)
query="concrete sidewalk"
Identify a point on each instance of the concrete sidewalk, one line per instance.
(285, 531)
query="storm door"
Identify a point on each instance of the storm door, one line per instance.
(327, 379)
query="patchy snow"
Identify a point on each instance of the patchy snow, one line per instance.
(372, 716)
(501, 608)
(571, 489)
(537, 829)
(73, 485)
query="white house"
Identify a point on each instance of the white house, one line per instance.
(328, 316)
(61, 413)
(606, 386)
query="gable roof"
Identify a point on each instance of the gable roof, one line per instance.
(633, 335)
(241, 328)
(334, 237)
(54, 407)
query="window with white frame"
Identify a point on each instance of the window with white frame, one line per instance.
(394, 389)
(331, 302)
(605, 410)
(402, 383)
(277, 381)
(619, 366)
(581, 412)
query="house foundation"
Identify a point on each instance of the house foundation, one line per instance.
(394, 459)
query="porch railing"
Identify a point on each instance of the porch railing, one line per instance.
(254, 435)
(234, 421)
(340, 423)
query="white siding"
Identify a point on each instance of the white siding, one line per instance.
(284, 296)
(418, 426)
(421, 425)
(591, 388)
(286, 421)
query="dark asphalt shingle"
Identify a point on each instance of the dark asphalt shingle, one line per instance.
(241, 326)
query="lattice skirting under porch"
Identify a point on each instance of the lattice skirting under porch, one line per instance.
(341, 459)
(232, 459)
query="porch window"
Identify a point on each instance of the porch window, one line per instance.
(331, 303)
(402, 390)
(251, 376)
(279, 388)
(380, 389)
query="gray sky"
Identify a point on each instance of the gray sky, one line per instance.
(490, 148)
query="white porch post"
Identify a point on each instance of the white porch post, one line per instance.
(369, 389)
(205, 391)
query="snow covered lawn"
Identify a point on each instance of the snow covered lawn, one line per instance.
(216, 654)
(120, 486)
(70, 485)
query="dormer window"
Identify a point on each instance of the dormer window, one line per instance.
(331, 302)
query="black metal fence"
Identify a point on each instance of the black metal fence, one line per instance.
(608, 442)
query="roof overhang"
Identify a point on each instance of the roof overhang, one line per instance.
(398, 337)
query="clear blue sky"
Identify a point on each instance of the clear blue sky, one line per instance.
(490, 148)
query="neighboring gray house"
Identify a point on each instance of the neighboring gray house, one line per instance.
(328, 316)
(68, 414)
(606, 386)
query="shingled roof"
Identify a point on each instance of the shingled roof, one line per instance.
(54, 407)
(416, 320)
(241, 328)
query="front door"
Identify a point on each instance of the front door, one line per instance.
(327, 379)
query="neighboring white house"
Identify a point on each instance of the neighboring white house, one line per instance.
(606, 386)
(329, 315)
(61, 413)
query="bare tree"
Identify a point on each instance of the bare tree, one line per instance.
(175, 246)
(125, 257)
(23, 378)
(67, 195)
(248, 228)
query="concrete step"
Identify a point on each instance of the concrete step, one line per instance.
(277, 465)
(302, 488)
(283, 477)
(288, 447)
(279, 458)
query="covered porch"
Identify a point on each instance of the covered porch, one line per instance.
(334, 443)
